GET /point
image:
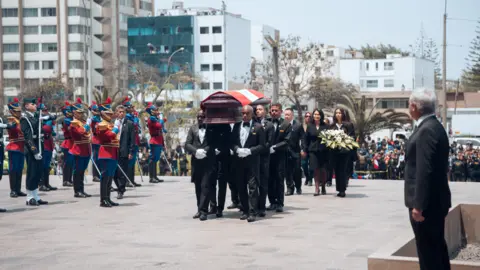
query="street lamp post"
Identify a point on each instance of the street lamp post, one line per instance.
(170, 59)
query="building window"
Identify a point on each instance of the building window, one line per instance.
(205, 85)
(9, 12)
(217, 48)
(79, 11)
(204, 67)
(11, 82)
(32, 83)
(31, 47)
(217, 85)
(49, 47)
(372, 83)
(204, 49)
(367, 66)
(376, 66)
(124, 34)
(393, 104)
(49, 12)
(217, 29)
(10, 30)
(123, 50)
(48, 65)
(217, 67)
(388, 83)
(330, 53)
(127, 3)
(75, 64)
(146, 5)
(388, 66)
(204, 30)
(49, 29)
(124, 18)
(11, 65)
(31, 65)
(78, 29)
(30, 30)
(30, 12)
(362, 83)
(11, 48)
(75, 47)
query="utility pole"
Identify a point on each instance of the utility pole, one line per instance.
(444, 67)
(456, 97)
(225, 79)
(274, 44)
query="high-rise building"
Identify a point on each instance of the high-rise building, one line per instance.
(42, 39)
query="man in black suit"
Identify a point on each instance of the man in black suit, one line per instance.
(199, 143)
(294, 163)
(248, 142)
(427, 195)
(276, 185)
(126, 150)
(264, 159)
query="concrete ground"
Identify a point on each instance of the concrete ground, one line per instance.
(154, 229)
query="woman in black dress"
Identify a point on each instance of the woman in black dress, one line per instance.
(316, 151)
(340, 158)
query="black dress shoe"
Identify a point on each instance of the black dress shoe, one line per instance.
(251, 218)
(289, 192)
(128, 184)
(306, 183)
(212, 210)
(136, 184)
(341, 194)
(243, 217)
(219, 214)
(3, 210)
(154, 181)
(44, 188)
(272, 207)
(324, 192)
(41, 202)
(197, 215)
(105, 203)
(67, 184)
(279, 209)
(112, 203)
(232, 206)
(299, 191)
(203, 217)
(32, 202)
(13, 194)
(21, 194)
(261, 214)
(51, 188)
(120, 196)
(86, 194)
(79, 195)
(329, 184)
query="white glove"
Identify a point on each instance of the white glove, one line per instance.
(117, 123)
(3, 125)
(200, 154)
(272, 150)
(46, 117)
(38, 156)
(217, 152)
(231, 152)
(89, 121)
(241, 153)
(247, 152)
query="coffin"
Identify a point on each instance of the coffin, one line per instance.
(224, 107)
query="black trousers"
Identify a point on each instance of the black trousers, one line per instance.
(34, 171)
(276, 185)
(120, 179)
(293, 175)
(232, 181)
(247, 173)
(219, 175)
(430, 240)
(339, 162)
(201, 177)
(263, 182)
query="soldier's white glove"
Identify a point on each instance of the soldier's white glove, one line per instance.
(46, 117)
(272, 150)
(247, 152)
(89, 121)
(38, 156)
(200, 154)
(241, 152)
(217, 152)
(3, 125)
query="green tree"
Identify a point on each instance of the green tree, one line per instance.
(379, 51)
(471, 75)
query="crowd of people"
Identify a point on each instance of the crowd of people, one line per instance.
(464, 163)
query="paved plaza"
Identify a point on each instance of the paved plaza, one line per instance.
(154, 229)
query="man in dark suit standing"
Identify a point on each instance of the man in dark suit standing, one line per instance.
(427, 194)
(248, 141)
(276, 185)
(294, 163)
(126, 150)
(264, 159)
(199, 144)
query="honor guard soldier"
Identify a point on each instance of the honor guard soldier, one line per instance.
(107, 133)
(66, 144)
(48, 134)
(15, 148)
(30, 128)
(81, 148)
(156, 130)
(132, 116)
(93, 121)
(459, 169)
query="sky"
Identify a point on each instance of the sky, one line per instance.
(356, 23)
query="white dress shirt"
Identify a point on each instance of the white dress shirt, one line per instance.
(244, 131)
(423, 117)
(201, 134)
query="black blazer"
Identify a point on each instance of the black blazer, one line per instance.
(426, 167)
(255, 141)
(222, 134)
(192, 144)
(269, 133)
(311, 142)
(280, 136)
(31, 136)
(127, 139)
(296, 133)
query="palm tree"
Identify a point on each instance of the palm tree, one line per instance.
(368, 121)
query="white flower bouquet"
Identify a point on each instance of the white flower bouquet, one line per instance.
(337, 140)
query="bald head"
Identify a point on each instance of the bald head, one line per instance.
(247, 113)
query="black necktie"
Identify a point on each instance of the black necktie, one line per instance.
(201, 126)
(275, 121)
(246, 124)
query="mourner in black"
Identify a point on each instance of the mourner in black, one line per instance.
(294, 163)
(316, 152)
(264, 159)
(199, 143)
(339, 159)
(427, 194)
(126, 149)
(30, 128)
(248, 142)
(276, 185)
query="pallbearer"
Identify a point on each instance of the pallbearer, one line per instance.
(81, 148)
(132, 115)
(93, 121)
(15, 148)
(156, 130)
(66, 144)
(108, 153)
(48, 134)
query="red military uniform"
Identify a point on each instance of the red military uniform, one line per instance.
(109, 141)
(47, 138)
(15, 136)
(155, 129)
(93, 126)
(81, 139)
(68, 142)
